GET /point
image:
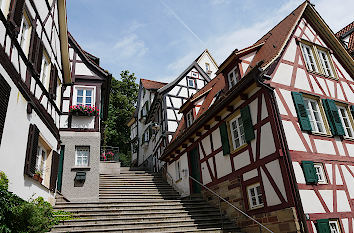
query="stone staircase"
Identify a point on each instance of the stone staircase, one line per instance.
(137, 201)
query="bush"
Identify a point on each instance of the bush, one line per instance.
(19, 216)
(4, 182)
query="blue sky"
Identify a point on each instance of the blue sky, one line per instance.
(158, 39)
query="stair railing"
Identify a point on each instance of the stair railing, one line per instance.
(230, 204)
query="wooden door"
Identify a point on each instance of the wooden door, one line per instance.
(195, 173)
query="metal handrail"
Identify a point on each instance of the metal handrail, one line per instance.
(233, 206)
(173, 183)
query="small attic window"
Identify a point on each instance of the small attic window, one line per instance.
(191, 82)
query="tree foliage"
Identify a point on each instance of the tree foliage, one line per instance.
(122, 103)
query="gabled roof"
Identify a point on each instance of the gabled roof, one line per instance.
(151, 84)
(183, 74)
(347, 31)
(206, 51)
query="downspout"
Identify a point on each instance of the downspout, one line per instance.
(285, 149)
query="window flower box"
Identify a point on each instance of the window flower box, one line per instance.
(37, 176)
(83, 110)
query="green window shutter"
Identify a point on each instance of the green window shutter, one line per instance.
(247, 123)
(224, 139)
(333, 117)
(309, 172)
(302, 115)
(323, 226)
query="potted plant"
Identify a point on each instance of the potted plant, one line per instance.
(83, 110)
(38, 176)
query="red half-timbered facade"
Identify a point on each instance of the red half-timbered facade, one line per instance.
(277, 139)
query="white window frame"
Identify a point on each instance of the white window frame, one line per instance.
(207, 67)
(325, 62)
(25, 32)
(315, 115)
(240, 139)
(193, 82)
(346, 122)
(79, 158)
(146, 136)
(334, 226)
(232, 77)
(189, 118)
(258, 196)
(45, 70)
(321, 175)
(93, 99)
(309, 55)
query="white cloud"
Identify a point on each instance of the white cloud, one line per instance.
(219, 2)
(130, 46)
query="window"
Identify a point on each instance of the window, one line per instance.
(82, 154)
(207, 67)
(325, 62)
(194, 74)
(237, 132)
(309, 57)
(24, 35)
(44, 76)
(146, 136)
(334, 226)
(255, 196)
(85, 96)
(347, 125)
(317, 59)
(320, 173)
(315, 116)
(178, 170)
(189, 118)
(41, 159)
(233, 77)
(145, 109)
(191, 82)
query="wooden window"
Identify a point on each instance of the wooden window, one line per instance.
(325, 62)
(255, 197)
(302, 114)
(5, 90)
(145, 109)
(178, 170)
(224, 139)
(53, 83)
(146, 135)
(31, 151)
(334, 226)
(191, 82)
(82, 155)
(85, 96)
(45, 69)
(346, 121)
(332, 114)
(25, 33)
(321, 176)
(237, 132)
(309, 172)
(233, 77)
(315, 115)
(35, 54)
(41, 159)
(309, 57)
(189, 118)
(194, 74)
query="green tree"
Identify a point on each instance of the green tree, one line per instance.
(122, 101)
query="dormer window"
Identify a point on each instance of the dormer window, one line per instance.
(189, 118)
(191, 82)
(309, 57)
(233, 77)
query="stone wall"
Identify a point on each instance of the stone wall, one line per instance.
(279, 221)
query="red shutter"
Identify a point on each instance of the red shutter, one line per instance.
(16, 14)
(54, 171)
(31, 152)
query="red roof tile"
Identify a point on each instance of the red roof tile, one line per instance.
(348, 29)
(150, 84)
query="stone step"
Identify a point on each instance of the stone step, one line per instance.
(137, 185)
(139, 196)
(143, 215)
(178, 226)
(132, 207)
(125, 192)
(133, 188)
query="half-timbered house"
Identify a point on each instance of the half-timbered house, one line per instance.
(34, 65)
(276, 136)
(158, 108)
(81, 130)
